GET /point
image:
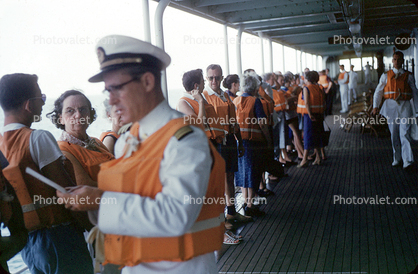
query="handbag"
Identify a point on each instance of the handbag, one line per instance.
(326, 135)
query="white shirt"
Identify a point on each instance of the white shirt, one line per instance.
(184, 172)
(42, 145)
(390, 108)
(211, 92)
(352, 81)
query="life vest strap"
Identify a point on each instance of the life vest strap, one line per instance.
(32, 207)
(207, 224)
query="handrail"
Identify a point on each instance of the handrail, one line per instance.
(21, 270)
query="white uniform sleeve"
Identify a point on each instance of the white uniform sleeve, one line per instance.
(44, 148)
(411, 83)
(184, 173)
(378, 93)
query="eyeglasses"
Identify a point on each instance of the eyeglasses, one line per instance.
(82, 110)
(43, 97)
(117, 88)
(217, 78)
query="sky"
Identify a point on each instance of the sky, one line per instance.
(56, 41)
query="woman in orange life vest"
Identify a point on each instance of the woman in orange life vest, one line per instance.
(231, 82)
(255, 132)
(311, 105)
(73, 113)
(327, 84)
(110, 137)
(291, 116)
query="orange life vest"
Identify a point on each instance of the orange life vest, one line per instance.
(225, 110)
(250, 129)
(323, 80)
(268, 105)
(15, 146)
(134, 175)
(341, 77)
(280, 102)
(397, 87)
(90, 160)
(212, 127)
(107, 133)
(316, 100)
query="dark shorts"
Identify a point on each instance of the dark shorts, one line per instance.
(230, 153)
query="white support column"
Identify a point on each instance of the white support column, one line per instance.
(146, 21)
(301, 63)
(260, 35)
(317, 63)
(159, 39)
(239, 63)
(271, 54)
(226, 50)
(296, 60)
(284, 61)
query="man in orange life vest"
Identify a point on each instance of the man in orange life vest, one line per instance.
(55, 243)
(159, 220)
(397, 87)
(343, 79)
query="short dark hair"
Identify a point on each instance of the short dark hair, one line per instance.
(59, 103)
(400, 54)
(213, 67)
(192, 77)
(288, 78)
(312, 76)
(229, 80)
(17, 88)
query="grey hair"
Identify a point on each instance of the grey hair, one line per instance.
(267, 76)
(251, 82)
(107, 106)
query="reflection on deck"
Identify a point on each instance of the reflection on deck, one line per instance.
(305, 232)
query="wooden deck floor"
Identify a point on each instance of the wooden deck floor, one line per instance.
(304, 231)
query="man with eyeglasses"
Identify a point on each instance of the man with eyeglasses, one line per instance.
(55, 242)
(152, 197)
(225, 109)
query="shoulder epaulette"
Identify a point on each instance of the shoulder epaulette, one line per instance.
(183, 132)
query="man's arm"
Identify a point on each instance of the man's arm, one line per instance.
(378, 93)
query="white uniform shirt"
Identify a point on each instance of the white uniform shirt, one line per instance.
(390, 108)
(184, 172)
(211, 92)
(42, 144)
(352, 81)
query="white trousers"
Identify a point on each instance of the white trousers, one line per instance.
(352, 93)
(344, 97)
(401, 141)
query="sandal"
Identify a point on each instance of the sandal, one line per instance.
(233, 236)
(229, 240)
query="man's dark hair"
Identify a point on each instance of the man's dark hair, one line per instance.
(59, 104)
(17, 88)
(400, 54)
(229, 80)
(192, 77)
(312, 76)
